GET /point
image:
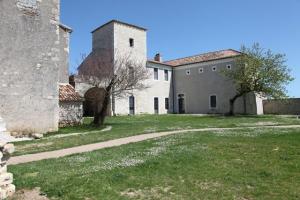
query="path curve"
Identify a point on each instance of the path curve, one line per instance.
(117, 142)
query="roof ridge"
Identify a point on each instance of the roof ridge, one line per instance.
(119, 22)
(201, 54)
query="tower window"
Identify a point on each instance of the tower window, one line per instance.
(131, 42)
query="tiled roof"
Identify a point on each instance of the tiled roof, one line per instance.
(67, 93)
(160, 63)
(204, 57)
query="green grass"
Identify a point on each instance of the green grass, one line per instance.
(125, 126)
(245, 164)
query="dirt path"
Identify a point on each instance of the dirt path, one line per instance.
(117, 142)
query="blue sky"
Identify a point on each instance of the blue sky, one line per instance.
(179, 28)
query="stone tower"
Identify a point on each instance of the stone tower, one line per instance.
(121, 38)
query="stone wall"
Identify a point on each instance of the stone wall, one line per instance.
(64, 34)
(70, 113)
(29, 63)
(282, 107)
(7, 189)
(197, 82)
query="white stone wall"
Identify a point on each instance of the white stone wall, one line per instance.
(70, 113)
(198, 87)
(144, 100)
(122, 34)
(29, 55)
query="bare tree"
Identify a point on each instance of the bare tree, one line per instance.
(117, 75)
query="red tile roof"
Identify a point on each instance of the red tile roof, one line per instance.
(67, 93)
(160, 63)
(204, 57)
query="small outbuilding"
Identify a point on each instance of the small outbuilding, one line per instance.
(70, 106)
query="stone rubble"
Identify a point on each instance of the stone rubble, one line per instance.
(7, 189)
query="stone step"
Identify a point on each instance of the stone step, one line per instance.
(6, 137)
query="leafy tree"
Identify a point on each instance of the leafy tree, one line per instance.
(260, 71)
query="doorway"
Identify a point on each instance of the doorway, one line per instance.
(156, 105)
(131, 105)
(181, 104)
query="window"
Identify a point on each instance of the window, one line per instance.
(214, 68)
(228, 66)
(167, 103)
(181, 104)
(156, 105)
(166, 75)
(131, 42)
(131, 105)
(188, 72)
(155, 74)
(213, 102)
(201, 70)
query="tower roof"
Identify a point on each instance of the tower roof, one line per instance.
(119, 22)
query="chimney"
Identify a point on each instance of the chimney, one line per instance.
(158, 58)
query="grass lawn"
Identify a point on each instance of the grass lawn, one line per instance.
(132, 125)
(242, 165)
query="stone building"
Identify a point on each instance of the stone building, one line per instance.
(191, 85)
(70, 106)
(34, 49)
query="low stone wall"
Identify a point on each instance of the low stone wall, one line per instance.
(7, 189)
(70, 113)
(282, 107)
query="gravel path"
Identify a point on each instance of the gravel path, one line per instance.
(117, 142)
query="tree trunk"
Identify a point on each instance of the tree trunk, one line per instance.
(231, 108)
(99, 117)
(231, 104)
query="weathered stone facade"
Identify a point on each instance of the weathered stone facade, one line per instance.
(29, 63)
(70, 113)
(70, 106)
(34, 59)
